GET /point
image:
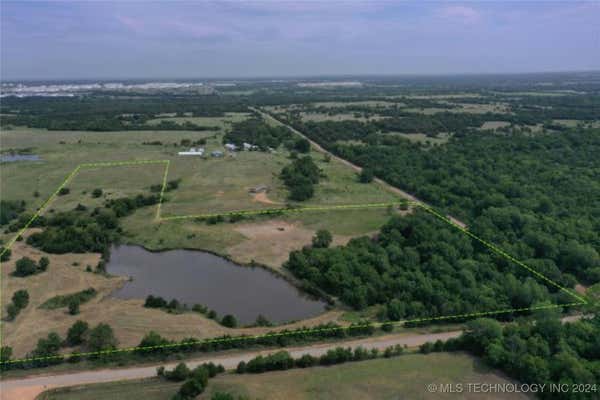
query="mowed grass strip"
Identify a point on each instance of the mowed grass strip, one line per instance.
(147, 389)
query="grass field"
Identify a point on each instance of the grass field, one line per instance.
(211, 185)
(221, 122)
(402, 377)
(147, 389)
(441, 138)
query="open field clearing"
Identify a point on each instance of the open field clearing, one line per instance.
(221, 122)
(422, 138)
(207, 186)
(319, 117)
(497, 108)
(406, 376)
(366, 103)
(146, 389)
(494, 125)
(572, 123)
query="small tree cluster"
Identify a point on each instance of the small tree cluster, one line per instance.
(195, 380)
(25, 266)
(20, 300)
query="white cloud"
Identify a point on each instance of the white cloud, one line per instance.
(460, 13)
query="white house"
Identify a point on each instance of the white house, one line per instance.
(248, 146)
(230, 146)
(192, 152)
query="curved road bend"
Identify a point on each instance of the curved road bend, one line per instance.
(355, 167)
(29, 388)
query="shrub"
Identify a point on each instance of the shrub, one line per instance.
(366, 175)
(12, 311)
(306, 361)
(63, 191)
(101, 338)
(229, 321)
(76, 333)
(180, 373)
(322, 239)
(25, 267)
(74, 307)
(20, 298)
(155, 302)
(96, 192)
(44, 263)
(6, 253)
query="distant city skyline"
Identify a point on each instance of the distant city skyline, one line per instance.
(233, 39)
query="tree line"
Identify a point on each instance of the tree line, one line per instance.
(418, 267)
(544, 351)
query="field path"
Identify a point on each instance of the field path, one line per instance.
(355, 167)
(29, 388)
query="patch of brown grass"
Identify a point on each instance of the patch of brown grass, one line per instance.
(270, 242)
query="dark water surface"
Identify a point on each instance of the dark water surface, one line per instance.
(196, 277)
(19, 157)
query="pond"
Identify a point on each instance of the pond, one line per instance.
(196, 277)
(19, 157)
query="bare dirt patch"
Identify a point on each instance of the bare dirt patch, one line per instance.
(263, 198)
(270, 242)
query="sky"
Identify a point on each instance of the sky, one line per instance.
(204, 39)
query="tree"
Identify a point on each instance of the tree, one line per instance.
(261, 320)
(74, 307)
(101, 338)
(44, 263)
(77, 332)
(63, 191)
(153, 342)
(20, 298)
(302, 145)
(48, 346)
(5, 254)
(180, 373)
(190, 389)
(229, 321)
(5, 354)
(481, 332)
(25, 267)
(97, 193)
(12, 311)
(366, 175)
(322, 239)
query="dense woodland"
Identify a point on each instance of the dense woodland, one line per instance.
(419, 267)
(542, 352)
(81, 231)
(534, 196)
(113, 113)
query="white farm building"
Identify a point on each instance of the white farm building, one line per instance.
(192, 152)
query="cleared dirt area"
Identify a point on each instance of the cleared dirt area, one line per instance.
(263, 198)
(270, 242)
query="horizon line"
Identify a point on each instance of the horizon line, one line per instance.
(302, 77)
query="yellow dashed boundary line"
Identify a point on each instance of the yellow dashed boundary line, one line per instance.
(491, 247)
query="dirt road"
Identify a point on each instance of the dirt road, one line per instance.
(29, 388)
(320, 149)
